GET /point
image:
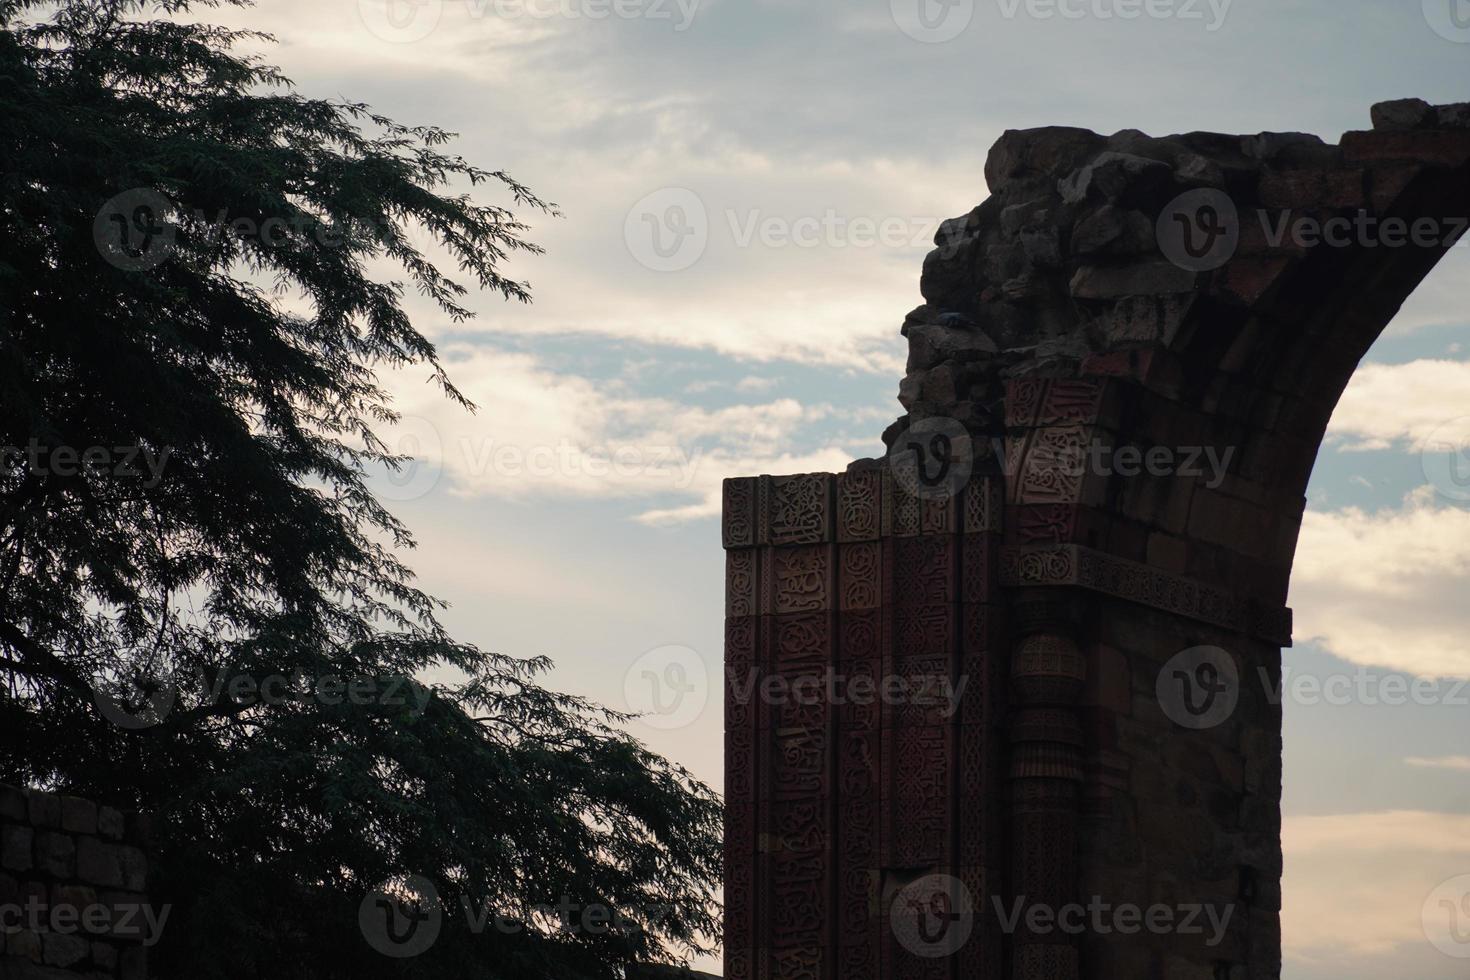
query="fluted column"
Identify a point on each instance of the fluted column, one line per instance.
(1045, 776)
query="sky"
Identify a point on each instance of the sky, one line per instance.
(748, 188)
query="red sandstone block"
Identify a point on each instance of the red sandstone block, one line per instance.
(1435, 148)
(1128, 539)
(1313, 188)
(859, 505)
(977, 570)
(1246, 280)
(1388, 182)
(1109, 680)
(1168, 553)
(1119, 364)
(1265, 231)
(1035, 524)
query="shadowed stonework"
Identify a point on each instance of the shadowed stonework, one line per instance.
(1037, 641)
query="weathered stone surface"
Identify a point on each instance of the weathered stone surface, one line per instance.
(49, 842)
(44, 809)
(1114, 176)
(1148, 318)
(1444, 148)
(1038, 152)
(1403, 114)
(1269, 147)
(1455, 116)
(1114, 302)
(78, 816)
(15, 848)
(931, 344)
(110, 823)
(1194, 170)
(1313, 188)
(1141, 279)
(1112, 231)
(56, 854)
(22, 945)
(63, 949)
(99, 863)
(13, 804)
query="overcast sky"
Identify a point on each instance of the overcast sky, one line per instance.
(749, 188)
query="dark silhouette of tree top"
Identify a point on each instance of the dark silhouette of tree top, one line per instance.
(191, 329)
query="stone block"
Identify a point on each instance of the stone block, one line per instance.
(100, 863)
(1403, 114)
(133, 964)
(1387, 184)
(1147, 319)
(63, 949)
(44, 809)
(931, 344)
(1291, 189)
(1245, 280)
(1168, 552)
(1455, 116)
(15, 848)
(13, 804)
(110, 823)
(1268, 147)
(1109, 684)
(78, 816)
(104, 956)
(1023, 153)
(1117, 177)
(1149, 278)
(56, 854)
(75, 896)
(1430, 147)
(23, 945)
(134, 868)
(1178, 967)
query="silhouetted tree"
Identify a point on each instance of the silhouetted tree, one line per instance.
(186, 284)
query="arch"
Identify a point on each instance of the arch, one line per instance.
(1117, 304)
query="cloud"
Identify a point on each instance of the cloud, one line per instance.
(1403, 406)
(1386, 588)
(1440, 299)
(1459, 763)
(540, 434)
(1355, 884)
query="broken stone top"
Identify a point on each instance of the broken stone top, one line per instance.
(1167, 260)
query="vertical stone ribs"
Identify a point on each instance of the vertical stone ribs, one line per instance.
(872, 756)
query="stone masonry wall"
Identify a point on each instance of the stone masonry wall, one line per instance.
(73, 877)
(1121, 309)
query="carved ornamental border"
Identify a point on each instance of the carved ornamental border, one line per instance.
(1082, 567)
